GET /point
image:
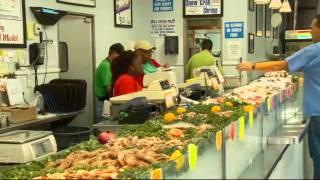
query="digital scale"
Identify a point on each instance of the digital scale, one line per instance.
(23, 146)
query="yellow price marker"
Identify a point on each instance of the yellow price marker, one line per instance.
(157, 174)
(178, 158)
(269, 104)
(193, 156)
(219, 140)
(242, 131)
(251, 118)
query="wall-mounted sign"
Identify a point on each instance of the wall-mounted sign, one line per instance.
(123, 13)
(203, 8)
(162, 5)
(163, 27)
(234, 30)
(234, 49)
(88, 3)
(12, 24)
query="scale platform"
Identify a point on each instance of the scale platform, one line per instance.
(23, 136)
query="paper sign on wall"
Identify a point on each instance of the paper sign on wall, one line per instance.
(162, 5)
(12, 23)
(163, 27)
(234, 50)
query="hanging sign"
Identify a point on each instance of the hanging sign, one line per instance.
(203, 8)
(232, 131)
(157, 174)
(193, 156)
(12, 24)
(219, 140)
(169, 100)
(162, 5)
(234, 30)
(269, 104)
(242, 130)
(163, 27)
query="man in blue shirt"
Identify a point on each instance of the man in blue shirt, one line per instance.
(307, 61)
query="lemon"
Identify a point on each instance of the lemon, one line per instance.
(229, 104)
(169, 117)
(181, 110)
(216, 109)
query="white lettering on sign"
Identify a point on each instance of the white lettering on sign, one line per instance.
(191, 3)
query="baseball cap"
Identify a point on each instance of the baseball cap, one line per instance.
(144, 45)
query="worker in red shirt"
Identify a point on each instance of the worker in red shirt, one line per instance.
(125, 73)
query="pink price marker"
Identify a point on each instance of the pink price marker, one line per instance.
(232, 131)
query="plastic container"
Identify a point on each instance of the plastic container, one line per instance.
(69, 135)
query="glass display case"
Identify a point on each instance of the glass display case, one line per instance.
(251, 147)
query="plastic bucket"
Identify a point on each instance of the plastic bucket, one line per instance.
(69, 135)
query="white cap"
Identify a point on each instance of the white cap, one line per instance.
(144, 45)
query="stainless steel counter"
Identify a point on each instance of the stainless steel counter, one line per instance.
(40, 121)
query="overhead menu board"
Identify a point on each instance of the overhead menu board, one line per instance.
(203, 8)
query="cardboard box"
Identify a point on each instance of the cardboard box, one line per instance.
(21, 114)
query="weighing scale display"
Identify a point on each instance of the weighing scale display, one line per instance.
(165, 85)
(42, 148)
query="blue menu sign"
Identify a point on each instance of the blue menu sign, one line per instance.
(162, 5)
(234, 30)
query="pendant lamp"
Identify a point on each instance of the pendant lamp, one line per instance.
(286, 8)
(275, 4)
(262, 1)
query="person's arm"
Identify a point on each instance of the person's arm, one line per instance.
(295, 63)
(264, 66)
(155, 63)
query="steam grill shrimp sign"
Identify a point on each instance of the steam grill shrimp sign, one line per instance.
(203, 8)
(12, 24)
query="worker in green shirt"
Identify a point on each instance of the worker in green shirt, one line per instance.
(103, 74)
(203, 58)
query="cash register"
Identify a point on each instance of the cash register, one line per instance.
(207, 81)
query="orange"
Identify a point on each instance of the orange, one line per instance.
(169, 117)
(216, 109)
(181, 110)
(229, 104)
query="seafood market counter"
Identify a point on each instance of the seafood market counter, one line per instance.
(228, 138)
(269, 145)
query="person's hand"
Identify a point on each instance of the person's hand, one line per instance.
(166, 66)
(245, 66)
